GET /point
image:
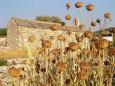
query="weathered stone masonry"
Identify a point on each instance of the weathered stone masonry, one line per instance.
(20, 30)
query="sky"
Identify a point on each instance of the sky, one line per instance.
(29, 9)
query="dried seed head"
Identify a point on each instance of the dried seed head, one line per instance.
(98, 20)
(67, 49)
(79, 39)
(88, 34)
(14, 72)
(90, 7)
(78, 4)
(67, 81)
(110, 73)
(53, 61)
(61, 66)
(85, 51)
(106, 63)
(68, 5)
(69, 33)
(54, 27)
(101, 43)
(73, 46)
(61, 37)
(84, 65)
(94, 23)
(79, 34)
(46, 44)
(68, 17)
(62, 23)
(56, 51)
(82, 27)
(83, 75)
(31, 38)
(111, 51)
(107, 15)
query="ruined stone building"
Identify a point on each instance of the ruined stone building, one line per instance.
(21, 31)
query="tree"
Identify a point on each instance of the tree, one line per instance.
(54, 19)
(3, 32)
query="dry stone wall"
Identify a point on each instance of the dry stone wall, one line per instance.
(24, 33)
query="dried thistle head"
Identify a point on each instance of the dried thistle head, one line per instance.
(56, 51)
(62, 23)
(14, 72)
(68, 5)
(67, 81)
(84, 65)
(78, 4)
(83, 75)
(102, 43)
(82, 27)
(54, 27)
(46, 44)
(106, 63)
(31, 38)
(111, 51)
(90, 7)
(78, 34)
(79, 39)
(73, 46)
(61, 66)
(98, 20)
(61, 37)
(67, 49)
(69, 33)
(107, 15)
(85, 51)
(110, 73)
(94, 23)
(88, 34)
(68, 17)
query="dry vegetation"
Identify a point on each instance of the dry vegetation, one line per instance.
(72, 66)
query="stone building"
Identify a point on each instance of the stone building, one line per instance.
(22, 31)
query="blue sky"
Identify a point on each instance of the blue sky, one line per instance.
(29, 9)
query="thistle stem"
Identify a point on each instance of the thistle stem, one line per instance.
(82, 20)
(89, 23)
(61, 78)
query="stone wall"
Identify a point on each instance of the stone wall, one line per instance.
(46, 34)
(3, 41)
(20, 31)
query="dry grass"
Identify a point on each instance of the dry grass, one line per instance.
(12, 53)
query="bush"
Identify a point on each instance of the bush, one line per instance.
(3, 62)
(54, 19)
(3, 32)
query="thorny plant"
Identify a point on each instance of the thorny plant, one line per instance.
(89, 61)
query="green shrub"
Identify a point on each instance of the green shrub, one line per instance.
(54, 19)
(3, 32)
(3, 62)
